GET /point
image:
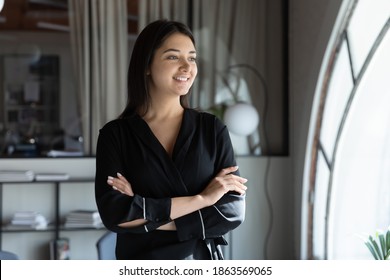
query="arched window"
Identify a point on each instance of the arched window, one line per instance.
(348, 193)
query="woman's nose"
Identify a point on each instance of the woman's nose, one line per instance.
(185, 65)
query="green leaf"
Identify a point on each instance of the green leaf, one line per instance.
(388, 239)
(376, 247)
(372, 250)
(382, 241)
(388, 255)
(218, 110)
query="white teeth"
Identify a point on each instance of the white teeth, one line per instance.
(181, 79)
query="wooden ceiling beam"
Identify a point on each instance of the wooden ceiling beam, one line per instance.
(23, 15)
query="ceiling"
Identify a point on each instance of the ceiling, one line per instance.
(48, 15)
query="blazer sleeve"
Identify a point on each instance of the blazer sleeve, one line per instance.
(228, 213)
(114, 207)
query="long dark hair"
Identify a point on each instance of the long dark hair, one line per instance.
(148, 41)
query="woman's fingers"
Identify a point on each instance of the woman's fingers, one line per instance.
(236, 185)
(242, 180)
(230, 181)
(121, 177)
(227, 171)
(115, 183)
(222, 183)
(120, 184)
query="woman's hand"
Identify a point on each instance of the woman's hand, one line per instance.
(224, 182)
(120, 184)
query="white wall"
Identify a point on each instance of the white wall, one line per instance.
(248, 240)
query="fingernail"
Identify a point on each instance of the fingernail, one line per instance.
(110, 178)
(119, 175)
(110, 181)
(115, 188)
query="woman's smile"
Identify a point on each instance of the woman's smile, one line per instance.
(181, 78)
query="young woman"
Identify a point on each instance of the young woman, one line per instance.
(166, 177)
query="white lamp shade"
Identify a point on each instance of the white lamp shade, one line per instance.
(1, 4)
(241, 119)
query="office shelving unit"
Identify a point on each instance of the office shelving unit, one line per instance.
(56, 227)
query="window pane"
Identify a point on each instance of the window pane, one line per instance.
(361, 184)
(339, 90)
(320, 198)
(367, 21)
(38, 101)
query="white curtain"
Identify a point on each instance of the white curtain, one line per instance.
(227, 33)
(99, 48)
(151, 10)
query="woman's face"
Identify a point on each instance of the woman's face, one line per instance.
(173, 67)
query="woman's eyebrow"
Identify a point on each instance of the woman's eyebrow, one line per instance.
(176, 50)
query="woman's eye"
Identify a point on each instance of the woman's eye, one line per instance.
(174, 57)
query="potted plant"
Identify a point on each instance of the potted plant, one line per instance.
(380, 245)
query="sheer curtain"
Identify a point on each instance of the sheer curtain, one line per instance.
(99, 48)
(151, 10)
(227, 33)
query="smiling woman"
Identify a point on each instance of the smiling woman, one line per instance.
(166, 176)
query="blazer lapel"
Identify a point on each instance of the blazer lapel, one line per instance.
(145, 134)
(184, 139)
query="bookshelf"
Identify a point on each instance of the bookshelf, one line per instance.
(55, 198)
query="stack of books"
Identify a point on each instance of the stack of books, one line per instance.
(60, 153)
(29, 219)
(83, 219)
(16, 175)
(51, 176)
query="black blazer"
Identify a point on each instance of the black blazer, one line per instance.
(202, 149)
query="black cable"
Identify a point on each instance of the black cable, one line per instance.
(270, 208)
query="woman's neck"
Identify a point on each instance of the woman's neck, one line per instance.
(159, 110)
